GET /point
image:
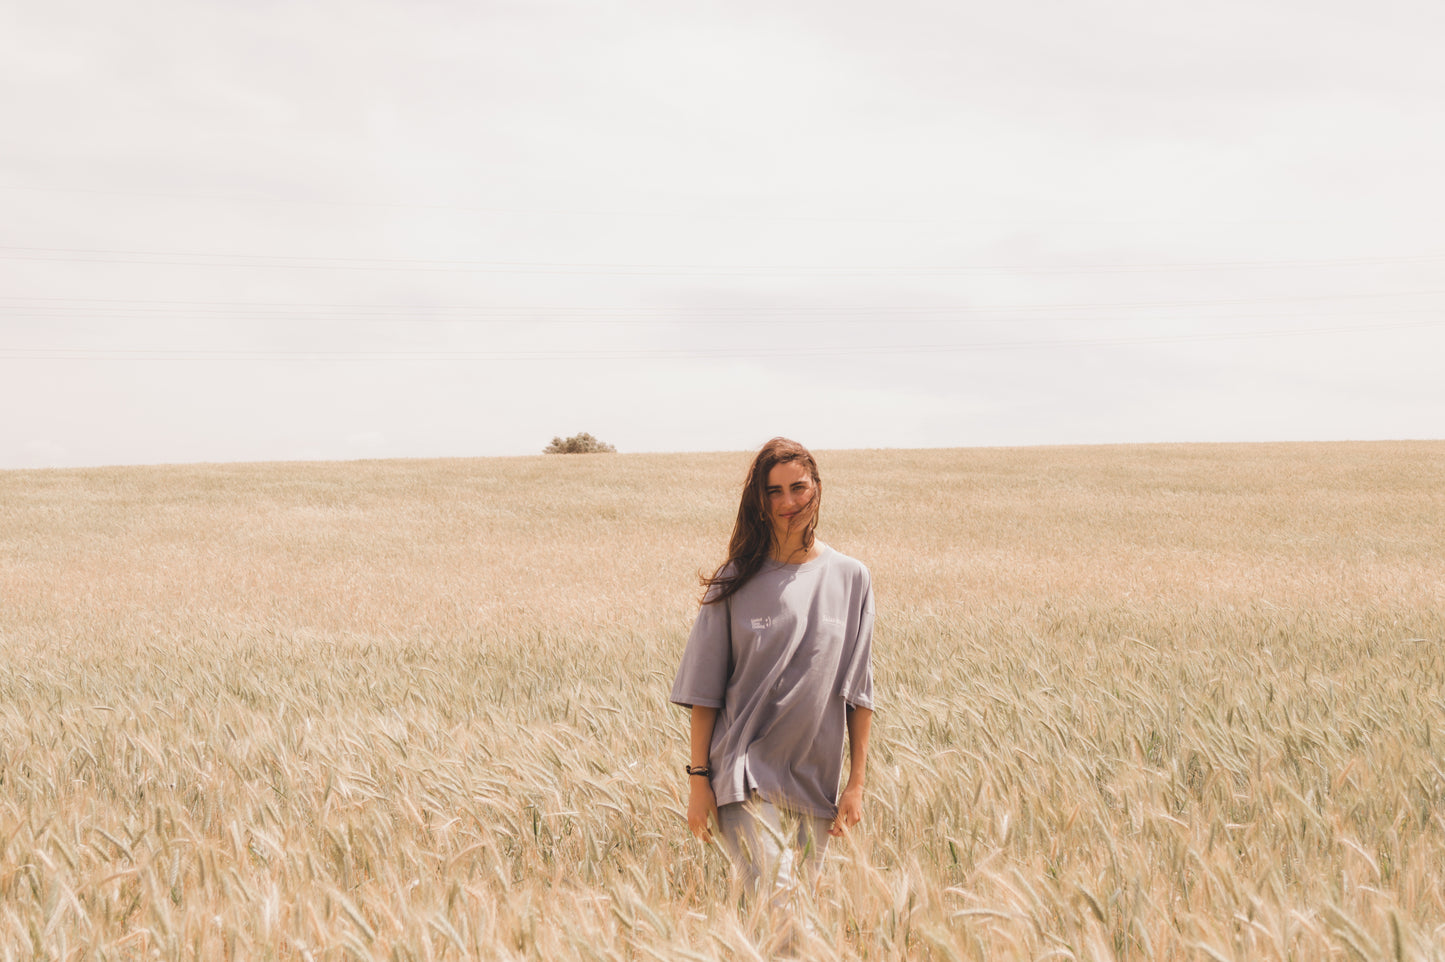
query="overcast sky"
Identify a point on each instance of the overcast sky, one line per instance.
(264, 231)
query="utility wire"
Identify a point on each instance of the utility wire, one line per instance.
(733, 215)
(98, 305)
(681, 319)
(297, 262)
(169, 354)
(961, 217)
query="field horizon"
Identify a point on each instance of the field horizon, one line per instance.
(740, 452)
(1143, 701)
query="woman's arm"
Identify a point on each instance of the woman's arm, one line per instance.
(850, 803)
(701, 805)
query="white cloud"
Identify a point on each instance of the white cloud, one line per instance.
(1065, 148)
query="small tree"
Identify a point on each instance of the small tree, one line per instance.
(583, 443)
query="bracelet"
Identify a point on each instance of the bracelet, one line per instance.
(702, 770)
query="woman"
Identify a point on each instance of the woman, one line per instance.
(775, 671)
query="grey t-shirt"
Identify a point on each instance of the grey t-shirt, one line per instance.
(782, 660)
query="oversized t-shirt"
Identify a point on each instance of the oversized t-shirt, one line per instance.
(782, 660)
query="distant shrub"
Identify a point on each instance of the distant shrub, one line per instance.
(583, 443)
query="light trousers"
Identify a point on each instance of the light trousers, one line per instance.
(766, 844)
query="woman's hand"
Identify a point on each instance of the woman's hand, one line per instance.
(850, 810)
(701, 806)
(850, 803)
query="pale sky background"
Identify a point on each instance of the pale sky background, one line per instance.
(264, 231)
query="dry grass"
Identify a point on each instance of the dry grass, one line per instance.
(1138, 703)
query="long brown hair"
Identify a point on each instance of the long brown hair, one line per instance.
(753, 532)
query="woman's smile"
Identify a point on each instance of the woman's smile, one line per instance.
(790, 495)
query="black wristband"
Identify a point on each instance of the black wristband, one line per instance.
(702, 770)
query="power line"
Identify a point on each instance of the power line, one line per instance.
(732, 215)
(379, 264)
(962, 217)
(170, 354)
(120, 311)
(681, 319)
(397, 309)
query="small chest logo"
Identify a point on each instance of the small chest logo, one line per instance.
(830, 620)
(763, 623)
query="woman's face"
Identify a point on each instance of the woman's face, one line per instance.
(791, 498)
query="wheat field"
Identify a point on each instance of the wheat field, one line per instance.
(1139, 702)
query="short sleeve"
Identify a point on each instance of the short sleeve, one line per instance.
(857, 686)
(702, 677)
